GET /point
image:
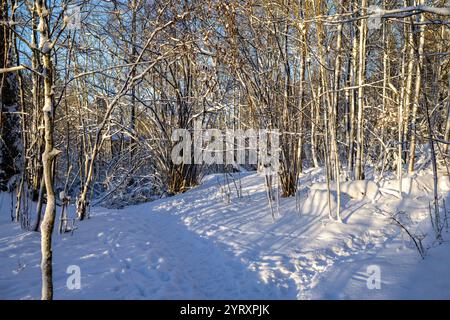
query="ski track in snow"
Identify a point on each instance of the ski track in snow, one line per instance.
(197, 246)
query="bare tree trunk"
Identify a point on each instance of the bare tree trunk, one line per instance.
(133, 74)
(437, 222)
(359, 173)
(314, 119)
(400, 123)
(49, 154)
(386, 74)
(36, 150)
(447, 128)
(351, 117)
(333, 121)
(419, 62)
(409, 46)
(301, 117)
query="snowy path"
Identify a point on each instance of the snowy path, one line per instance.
(162, 259)
(198, 246)
(137, 256)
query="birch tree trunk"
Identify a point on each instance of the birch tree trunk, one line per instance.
(49, 154)
(333, 122)
(409, 39)
(419, 62)
(359, 170)
(352, 99)
(400, 122)
(386, 80)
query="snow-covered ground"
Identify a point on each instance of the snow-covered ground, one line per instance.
(199, 245)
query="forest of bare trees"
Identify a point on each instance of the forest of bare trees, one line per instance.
(91, 92)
